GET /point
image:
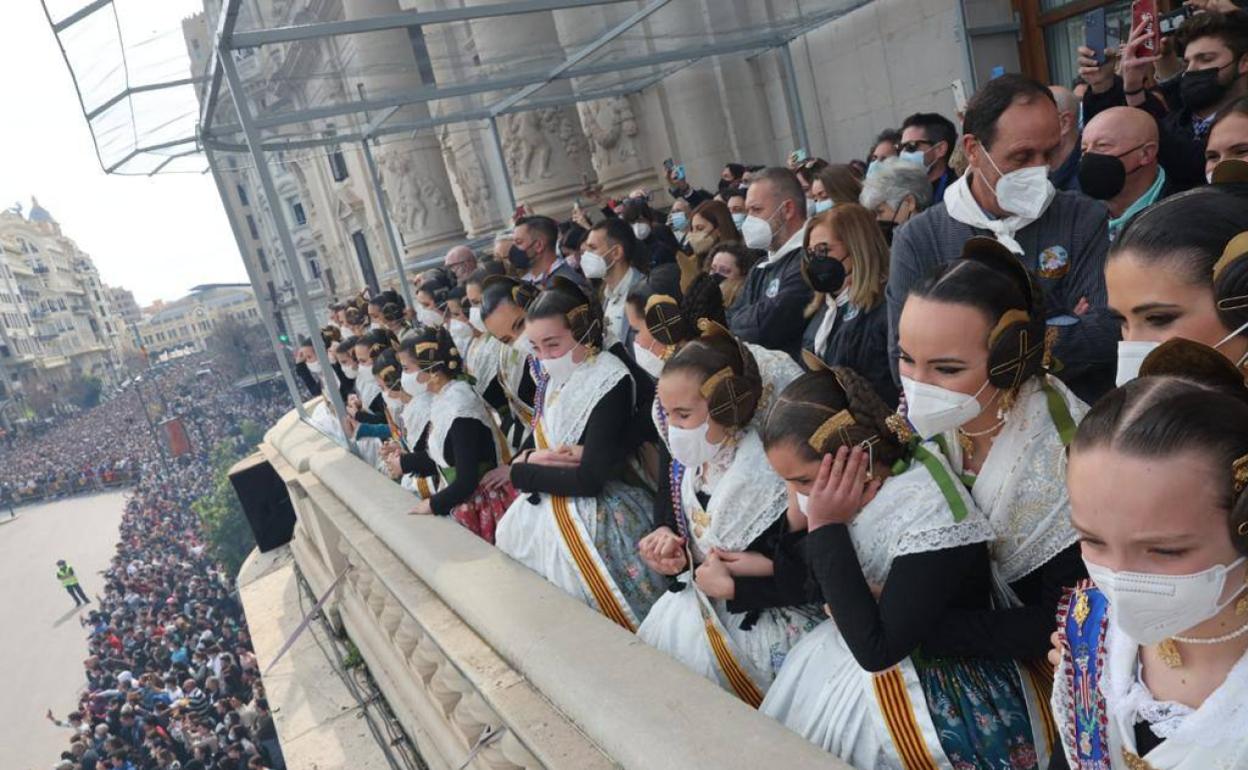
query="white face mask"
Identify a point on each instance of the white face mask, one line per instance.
(1130, 356)
(350, 371)
(690, 446)
(1150, 608)
(802, 501)
(1026, 192)
(314, 367)
(428, 316)
(460, 330)
(593, 265)
(640, 229)
(474, 318)
(559, 369)
(932, 410)
(652, 364)
(757, 233)
(411, 386)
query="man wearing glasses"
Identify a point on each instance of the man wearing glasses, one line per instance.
(927, 140)
(460, 262)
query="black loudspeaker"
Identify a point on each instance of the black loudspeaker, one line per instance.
(265, 500)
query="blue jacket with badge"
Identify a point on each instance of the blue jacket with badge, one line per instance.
(769, 311)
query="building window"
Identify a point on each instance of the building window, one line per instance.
(1053, 30)
(314, 265)
(264, 262)
(296, 209)
(251, 227)
(337, 165)
(242, 195)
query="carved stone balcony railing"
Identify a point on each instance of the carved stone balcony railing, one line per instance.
(461, 639)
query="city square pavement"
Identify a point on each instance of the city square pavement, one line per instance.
(43, 644)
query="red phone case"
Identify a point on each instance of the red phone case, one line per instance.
(1142, 10)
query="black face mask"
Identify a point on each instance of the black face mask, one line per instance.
(718, 278)
(1101, 176)
(1200, 89)
(823, 274)
(519, 258)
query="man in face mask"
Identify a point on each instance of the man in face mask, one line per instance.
(1215, 51)
(533, 253)
(769, 310)
(927, 140)
(1009, 137)
(1119, 163)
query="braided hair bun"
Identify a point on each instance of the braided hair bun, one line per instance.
(387, 369)
(582, 313)
(435, 352)
(731, 383)
(1230, 282)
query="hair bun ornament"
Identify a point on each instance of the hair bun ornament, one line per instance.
(665, 322)
(994, 254)
(814, 363)
(1190, 360)
(1230, 282)
(1230, 171)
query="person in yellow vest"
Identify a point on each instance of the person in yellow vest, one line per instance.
(69, 581)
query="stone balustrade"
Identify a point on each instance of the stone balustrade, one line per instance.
(472, 650)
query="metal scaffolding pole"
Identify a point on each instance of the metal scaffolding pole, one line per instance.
(239, 96)
(501, 158)
(794, 98)
(396, 253)
(266, 311)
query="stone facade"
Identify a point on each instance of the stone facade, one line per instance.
(184, 325)
(57, 321)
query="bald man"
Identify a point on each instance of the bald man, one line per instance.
(461, 262)
(1120, 165)
(1064, 167)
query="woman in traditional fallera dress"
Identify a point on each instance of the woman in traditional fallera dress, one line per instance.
(462, 444)
(576, 522)
(895, 543)
(723, 499)
(1153, 669)
(503, 302)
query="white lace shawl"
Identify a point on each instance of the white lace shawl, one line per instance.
(746, 497)
(456, 400)
(366, 387)
(567, 408)
(909, 515)
(1220, 722)
(776, 369)
(1022, 485)
(482, 360)
(415, 417)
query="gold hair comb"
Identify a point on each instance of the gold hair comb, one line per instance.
(835, 424)
(713, 381)
(421, 347)
(1008, 318)
(1236, 248)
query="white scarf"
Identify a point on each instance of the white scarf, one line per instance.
(963, 207)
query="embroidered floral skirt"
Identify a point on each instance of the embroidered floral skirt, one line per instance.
(482, 512)
(979, 710)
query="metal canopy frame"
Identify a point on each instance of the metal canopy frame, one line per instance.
(258, 134)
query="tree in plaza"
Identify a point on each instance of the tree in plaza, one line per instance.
(240, 350)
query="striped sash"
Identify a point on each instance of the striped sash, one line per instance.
(592, 575)
(898, 711)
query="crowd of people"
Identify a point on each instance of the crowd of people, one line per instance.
(170, 677)
(848, 438)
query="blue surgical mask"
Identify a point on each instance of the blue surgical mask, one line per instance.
(917, 157)
(823, 205)
(679, 220)
(738, 219)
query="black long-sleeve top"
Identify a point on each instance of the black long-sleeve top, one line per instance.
(1017, 633)
(920, 589)
(374, 413)
(602, 451)
(309, 380)
(468, 448)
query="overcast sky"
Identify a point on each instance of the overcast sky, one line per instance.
(156, 236)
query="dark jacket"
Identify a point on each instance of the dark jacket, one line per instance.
(1066, 176)
(1073, 238)
(769, 310)
(859, 341)
(308, 379)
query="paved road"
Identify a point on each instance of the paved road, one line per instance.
(42, 645)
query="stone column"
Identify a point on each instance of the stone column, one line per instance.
(466, 147)
(613, 126)
(546, 152)
(413, 171)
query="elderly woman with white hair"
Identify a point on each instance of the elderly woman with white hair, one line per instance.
(894, 191)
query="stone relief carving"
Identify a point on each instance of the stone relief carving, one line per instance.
(531, 139)
(413, 199)
(463, 164)
(611, 126)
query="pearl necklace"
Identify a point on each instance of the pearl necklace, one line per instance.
(1214, 639)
